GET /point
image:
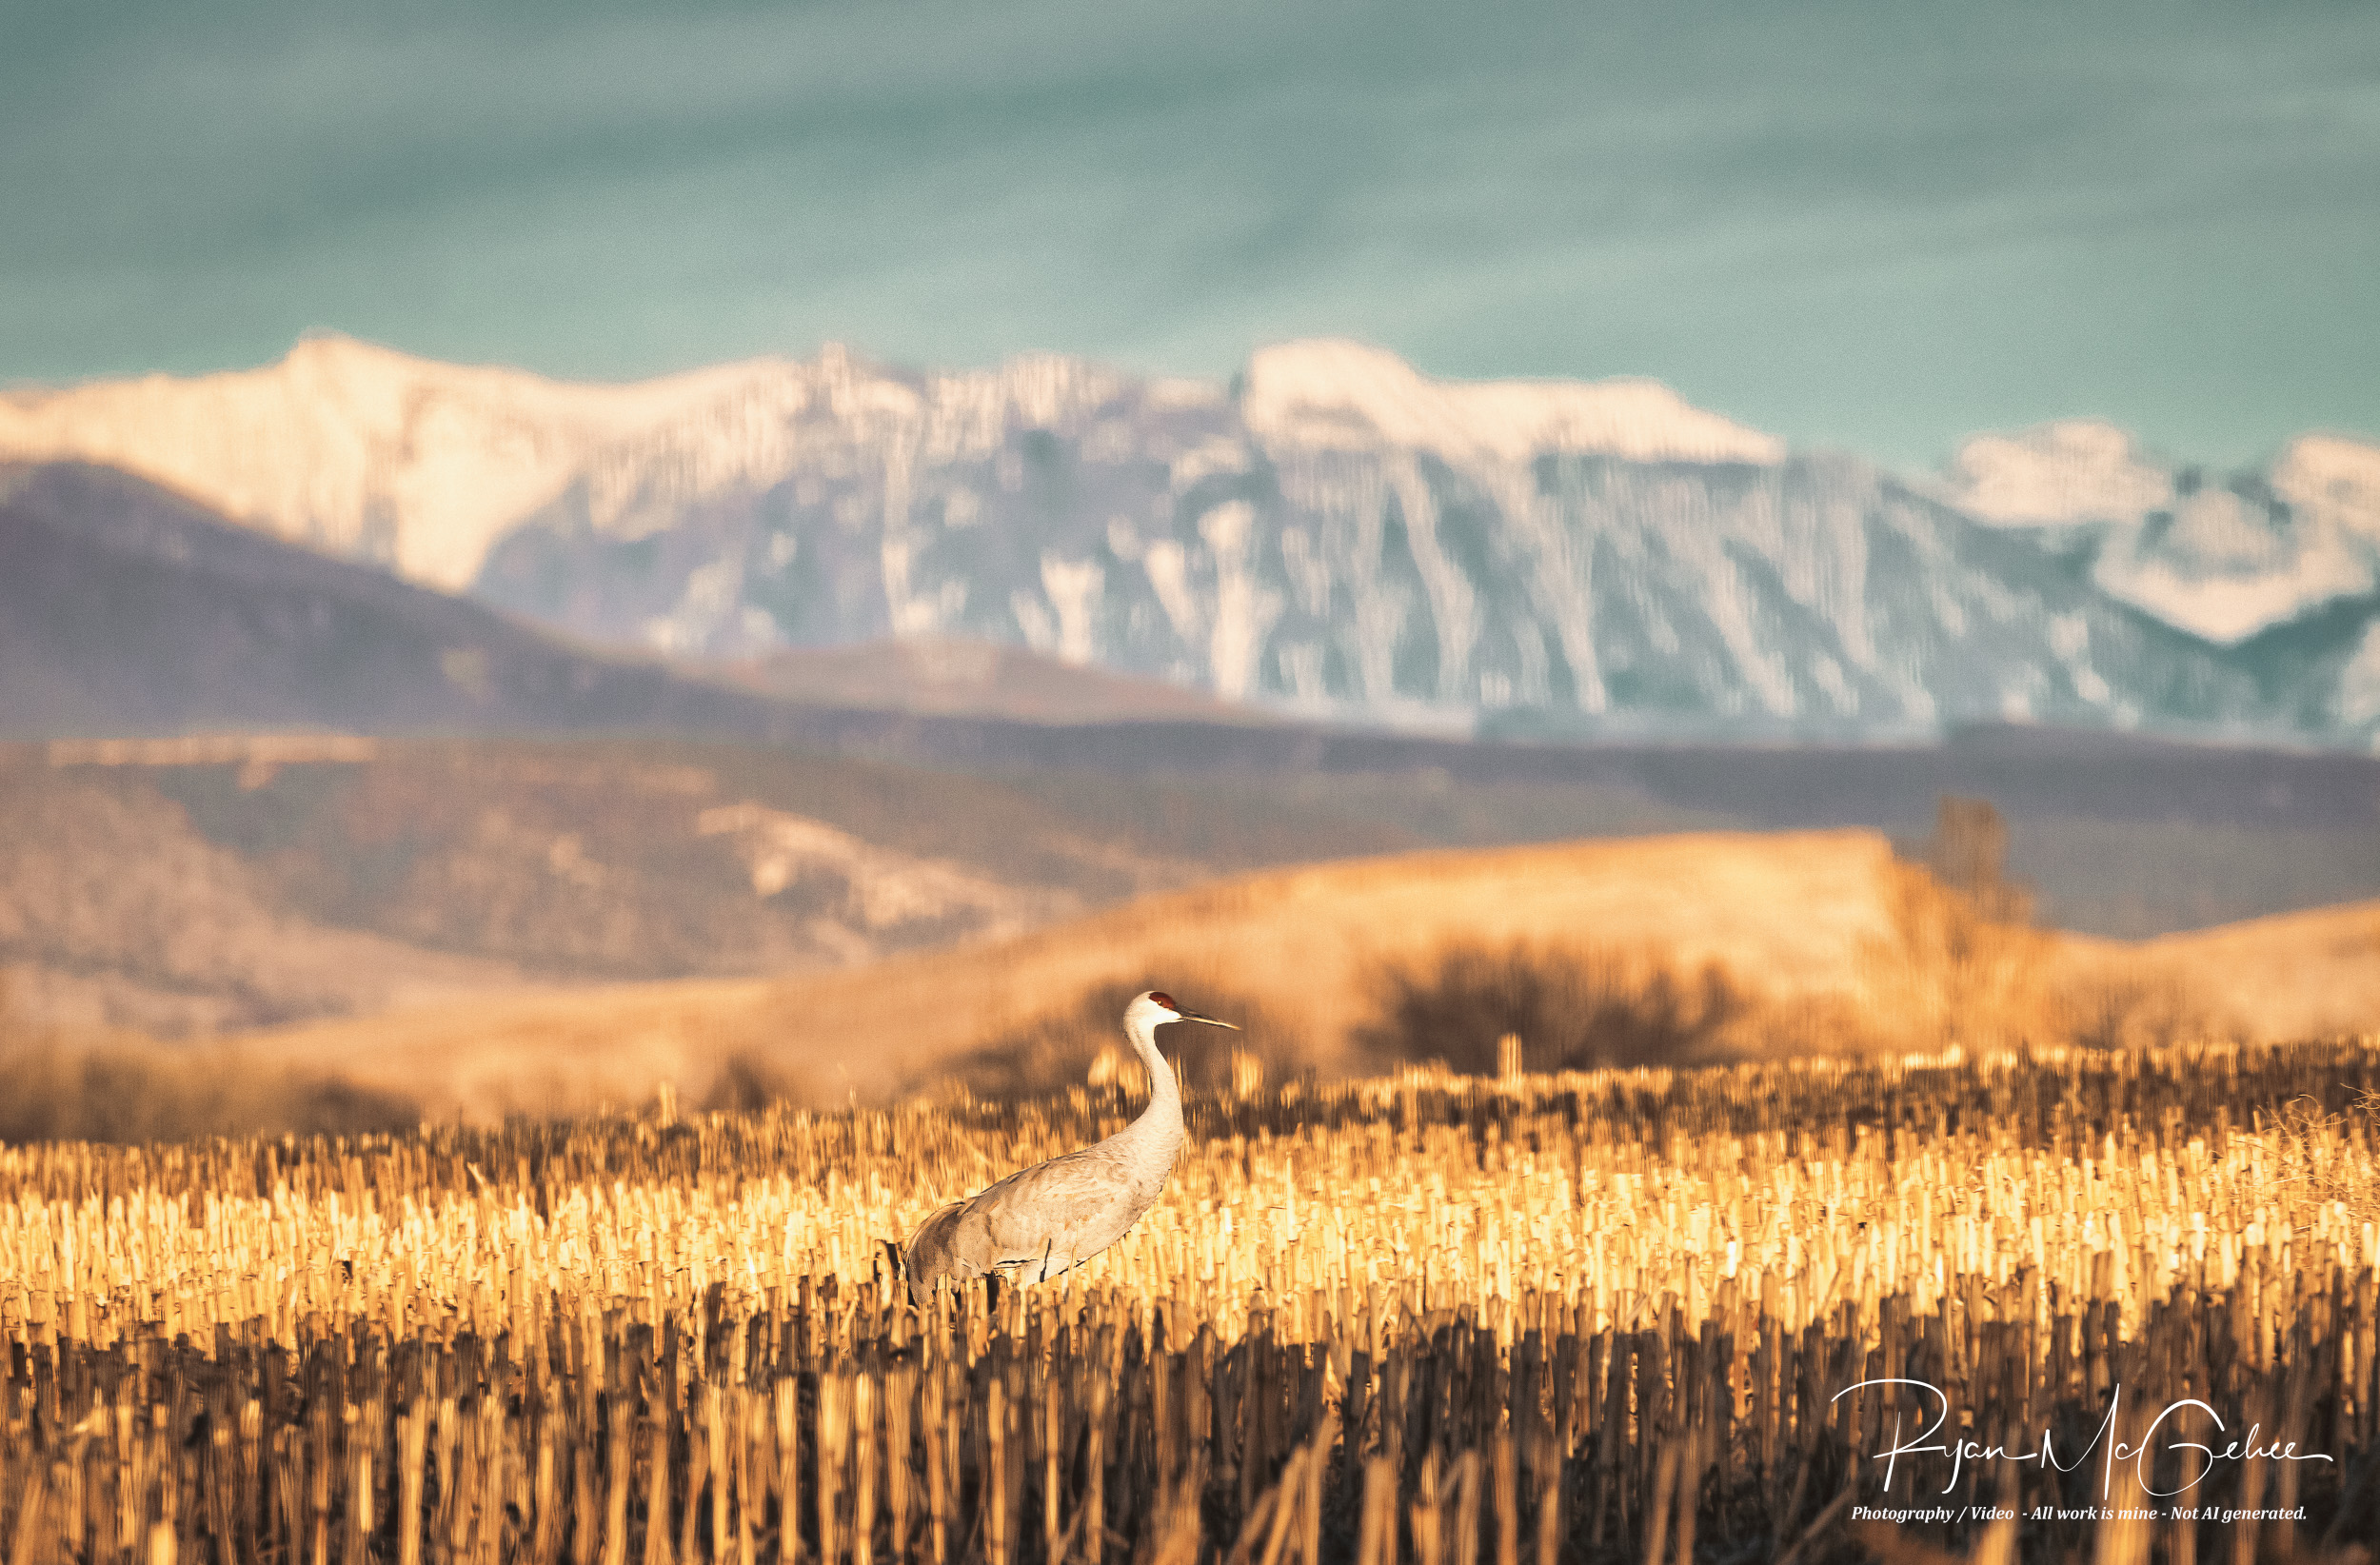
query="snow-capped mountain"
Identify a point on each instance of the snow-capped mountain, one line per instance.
(1334, 531)
(2221, 558)
(372, 455)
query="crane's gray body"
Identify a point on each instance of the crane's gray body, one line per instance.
(1045, 1219)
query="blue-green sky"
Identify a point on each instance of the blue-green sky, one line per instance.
(1874, 226)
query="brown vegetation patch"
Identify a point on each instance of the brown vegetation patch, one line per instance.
(68, 1085)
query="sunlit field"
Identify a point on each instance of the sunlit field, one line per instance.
(1625, 1316)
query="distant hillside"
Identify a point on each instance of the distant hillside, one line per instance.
(125, 608)
(2296, 974)
(193, 885)
(1796, 920)
(196, 884)
(115, 912)
(972, 678)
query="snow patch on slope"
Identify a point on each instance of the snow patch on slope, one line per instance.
(2222, 570)
(2225, 565)
(2070, 471)
(2359, 686)
(1337, 395)
(2220, 562)
(884, 888)
(2333, 482)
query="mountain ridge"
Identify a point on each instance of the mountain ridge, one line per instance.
(1335, 534)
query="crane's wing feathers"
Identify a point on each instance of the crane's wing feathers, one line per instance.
(1051, 1204)
(1061, 1210)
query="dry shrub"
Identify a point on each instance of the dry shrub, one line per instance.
(1965, 965)
(2129, 1005)
(122, 1088)
(1950, 972)
(745, 1081)
(2329, 1152)
(1078, 1042)
(749, 1080)
(1806, 1025)
(1573, 1008)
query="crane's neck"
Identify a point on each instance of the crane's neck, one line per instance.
(1159, 1124)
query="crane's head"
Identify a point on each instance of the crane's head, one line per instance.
(1154, 1009)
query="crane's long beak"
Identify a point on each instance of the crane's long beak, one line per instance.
(1212, 1021)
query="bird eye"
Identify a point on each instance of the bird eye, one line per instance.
(1166, 1000)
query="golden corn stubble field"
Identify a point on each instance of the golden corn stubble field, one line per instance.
(1796, 919)
(1642, 1316)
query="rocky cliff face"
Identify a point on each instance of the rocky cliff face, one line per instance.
(1334, 532)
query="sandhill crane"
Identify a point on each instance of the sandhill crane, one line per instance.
(1038, 1221)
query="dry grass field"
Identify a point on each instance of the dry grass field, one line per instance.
(1637, 1317)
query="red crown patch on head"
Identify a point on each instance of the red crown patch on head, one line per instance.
(1166, 1000)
